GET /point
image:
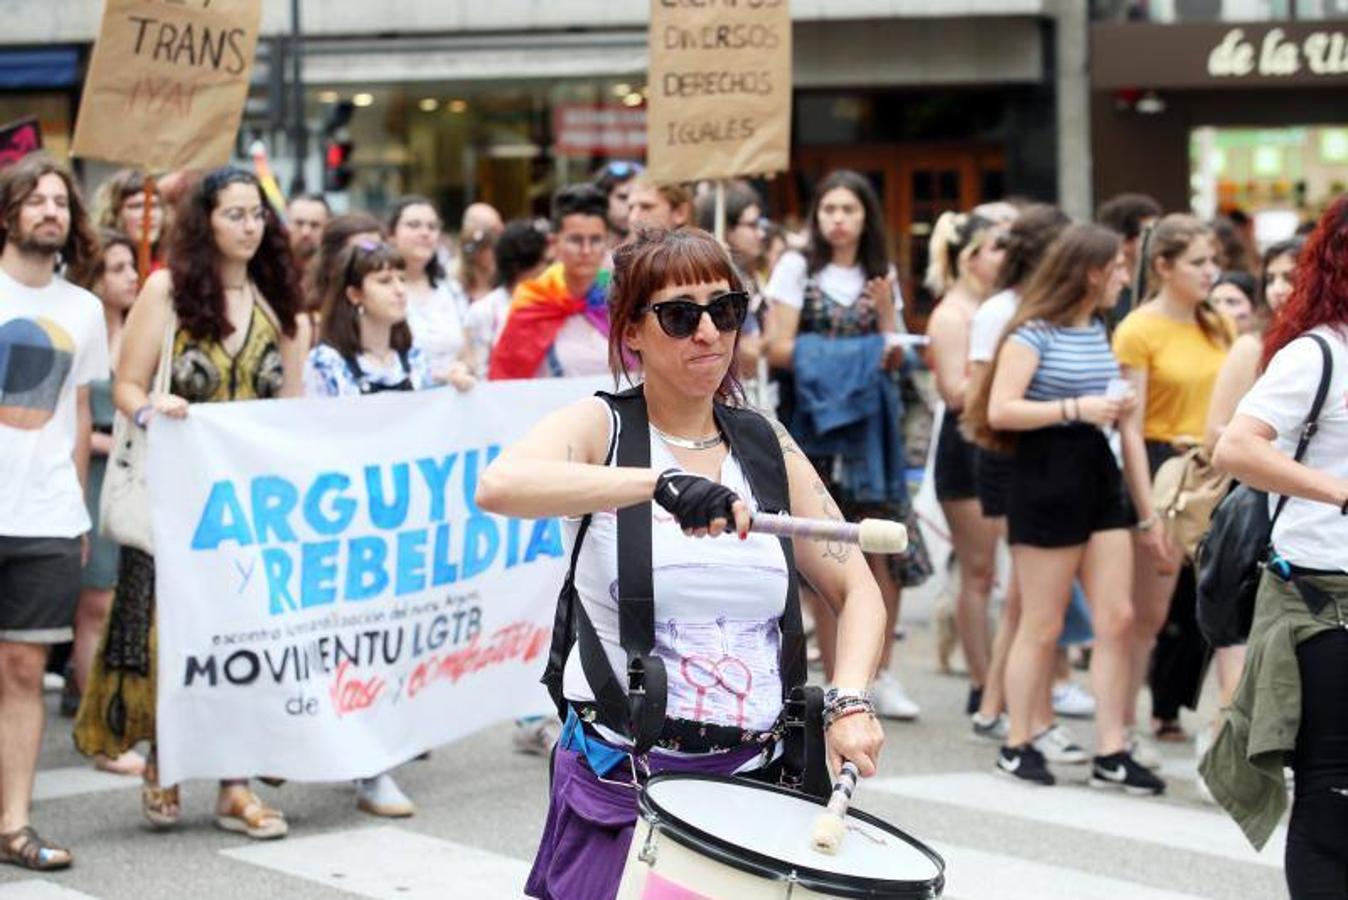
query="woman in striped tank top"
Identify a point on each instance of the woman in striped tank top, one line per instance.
(1050, 402)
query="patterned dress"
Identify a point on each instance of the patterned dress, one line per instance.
(118, 707)
(821, 314)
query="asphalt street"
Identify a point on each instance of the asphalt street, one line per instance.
(481, 808)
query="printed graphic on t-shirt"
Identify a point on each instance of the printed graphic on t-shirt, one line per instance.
(36, 356)
(723, 671)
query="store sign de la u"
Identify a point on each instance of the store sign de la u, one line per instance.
(1277, 56)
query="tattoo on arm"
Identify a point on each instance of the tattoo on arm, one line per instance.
(784, 438)
(834, 550)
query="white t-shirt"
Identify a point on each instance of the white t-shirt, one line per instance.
(991, 319)
(436, 320)
(1310, 534)
(842, 284)
(52, 341)
(579, 349)
(486, 317)
(718, 602)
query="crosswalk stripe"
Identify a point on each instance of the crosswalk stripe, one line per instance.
(53, 784)
(40, 890)
(388, 862)
(975, 874)
(1132, 818)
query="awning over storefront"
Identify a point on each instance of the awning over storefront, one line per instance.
(876, 53)
(56, 67)
(477, 58)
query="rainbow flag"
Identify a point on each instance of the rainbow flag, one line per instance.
(267, 178)
(538, 311)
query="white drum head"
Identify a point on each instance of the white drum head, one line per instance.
(778, 825)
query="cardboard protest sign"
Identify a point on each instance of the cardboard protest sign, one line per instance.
(720, 88)
(167, 82)
(340, 602)
(18, 139)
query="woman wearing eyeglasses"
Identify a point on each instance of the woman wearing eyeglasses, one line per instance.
(558, 324)
(231, 295)
(436, 307)
(678, 307)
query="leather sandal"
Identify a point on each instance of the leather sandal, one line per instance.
(27, 849)
(243, 812)
(159, 805)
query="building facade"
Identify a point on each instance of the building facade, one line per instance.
(943, 103)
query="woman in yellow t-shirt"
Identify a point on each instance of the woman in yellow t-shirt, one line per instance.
(1171, 349)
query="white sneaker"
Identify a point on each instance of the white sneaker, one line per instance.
(381, 796)
(891, 700)
(1058, 746)
(990, 729)
(1143, 752)
(536, 735)
(1072, 701)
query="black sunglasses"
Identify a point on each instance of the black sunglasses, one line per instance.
(680, 318)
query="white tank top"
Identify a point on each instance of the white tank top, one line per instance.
(718, 602)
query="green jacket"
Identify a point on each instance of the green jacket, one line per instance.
(1244, 766)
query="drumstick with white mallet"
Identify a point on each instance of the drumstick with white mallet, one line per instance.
(872, 535)
(829, 828)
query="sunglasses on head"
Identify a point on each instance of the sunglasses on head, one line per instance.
(359, 249)
(680, 317)
(623, 168)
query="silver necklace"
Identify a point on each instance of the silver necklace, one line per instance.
(705, 443)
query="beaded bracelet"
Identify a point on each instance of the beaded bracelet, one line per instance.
(829, 721)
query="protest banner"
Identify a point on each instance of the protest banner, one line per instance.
(720, 89)
(167, 83)
(18, 139)
(331, 600)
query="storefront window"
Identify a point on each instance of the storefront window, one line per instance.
(508, 144)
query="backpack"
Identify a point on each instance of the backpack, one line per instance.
(638, 712)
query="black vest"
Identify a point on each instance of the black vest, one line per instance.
(639, 711)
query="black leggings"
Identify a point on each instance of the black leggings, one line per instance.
(1317, 836)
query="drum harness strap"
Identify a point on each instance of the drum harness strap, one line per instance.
(639, 712)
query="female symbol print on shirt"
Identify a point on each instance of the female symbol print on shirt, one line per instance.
(36, 356)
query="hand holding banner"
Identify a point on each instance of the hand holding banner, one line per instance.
(167, 82)
(332, 600)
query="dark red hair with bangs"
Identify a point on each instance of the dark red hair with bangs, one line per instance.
(654, 260)
(1320, 283)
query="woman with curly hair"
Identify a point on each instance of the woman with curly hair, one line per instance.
(229, 298)
(1291, 707)
(119, 205)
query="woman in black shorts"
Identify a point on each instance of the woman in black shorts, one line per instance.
(1050, 398)
(966, 258)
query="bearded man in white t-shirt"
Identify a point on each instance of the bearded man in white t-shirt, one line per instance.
(53, 342)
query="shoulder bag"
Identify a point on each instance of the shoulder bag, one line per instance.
(1231, 557)
(124, 505)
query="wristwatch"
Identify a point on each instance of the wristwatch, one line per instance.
(142, 415)
(1148, 523)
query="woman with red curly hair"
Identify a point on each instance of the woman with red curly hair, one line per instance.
(228, 302)
(1292, 702)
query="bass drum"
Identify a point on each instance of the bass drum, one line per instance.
(715, 837)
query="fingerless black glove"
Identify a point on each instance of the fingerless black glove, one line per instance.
(693, 500)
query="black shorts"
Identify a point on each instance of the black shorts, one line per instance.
(993, 477)
(954, 461)
(39, 589)
(1065, 486)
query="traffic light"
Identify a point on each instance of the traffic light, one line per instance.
(338, 148)
(337, 172)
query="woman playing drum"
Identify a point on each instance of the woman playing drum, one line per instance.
(677, 306)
